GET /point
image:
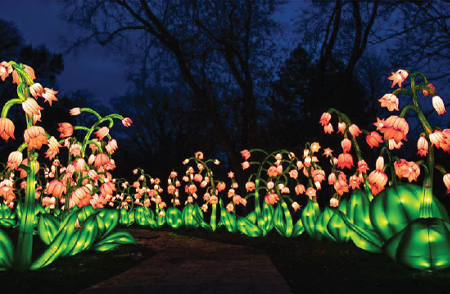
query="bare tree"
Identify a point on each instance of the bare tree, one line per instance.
(341, 30)
(219, 48)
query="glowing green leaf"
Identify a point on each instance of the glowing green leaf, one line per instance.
(113, 240)
(423, 244)
(343, 202)
(187, 215)
(6, 251)
(245, 226)
(309, 216)
(48, 227)
(338, 229)
(126, 217)
(199, 219)
(252, 217)
(358, 209)
(85, 212)
(321, 224)
(227, 219)
(85, 238)
(364, 239)
(173, 217)
(7, 217)
(160, 218)
(144, 216)
(283, 219)
(59, 244)
(397, 206)
(298, 228)
(267, 222)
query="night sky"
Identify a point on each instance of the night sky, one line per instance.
(39, 23)
(93, 69)
(103, 74)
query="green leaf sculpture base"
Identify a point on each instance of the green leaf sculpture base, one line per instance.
(7, 217)
(6, 251)
(173, 217)
(227, 219)
(424, 244)
(309, 216)
(144, 216)
(187, 215)
(397, 206)
(321, 224)
(283, 220)
(336, 225)
(358, 209)
(126, 217)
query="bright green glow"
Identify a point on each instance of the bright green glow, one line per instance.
(113, 240)
(252, 217)
(48, 227)
(22, 258)
(338, 229)
(246, 227)
(110, 219)
(298, 228)
(423, 244)
(213, 220)
(321, 224)
(124, 219)
(227, 219)
(343, 203)
(309, 216)
(267, 222)
(283, 219)
(7, 218)
(397, 206)
(143, 216)
(173, 217)
(161, 220)
(95, 232)
(364, 239)
(6, 251)
(187, 215)
(358, 209)
(200, 220)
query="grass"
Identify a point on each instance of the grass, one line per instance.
(75, 273)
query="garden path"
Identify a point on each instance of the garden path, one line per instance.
(185, 265)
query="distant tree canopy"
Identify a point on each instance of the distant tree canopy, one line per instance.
(294, 94)
(220, 50)
(205, 71)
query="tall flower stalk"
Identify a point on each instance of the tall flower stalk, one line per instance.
(427, 197)
(23, 76)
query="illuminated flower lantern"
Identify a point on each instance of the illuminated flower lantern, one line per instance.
(173, 214)
(203, 181)
(413, 222)
(64, 214)
(271, 181)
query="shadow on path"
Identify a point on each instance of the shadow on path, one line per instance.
(191, 265)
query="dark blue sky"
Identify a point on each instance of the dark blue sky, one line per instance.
(39, 23)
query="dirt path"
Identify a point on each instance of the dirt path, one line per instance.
(191, 265)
